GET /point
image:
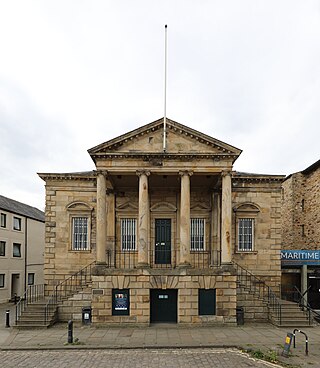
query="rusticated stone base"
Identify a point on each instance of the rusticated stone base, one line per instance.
(186, 282)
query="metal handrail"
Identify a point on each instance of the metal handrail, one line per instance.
(67, 288)
(260, 288)
(304, 304)
(32, 294)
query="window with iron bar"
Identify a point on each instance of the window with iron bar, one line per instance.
(128, 234)
(80, 233)
(245, 234)
(197, 234)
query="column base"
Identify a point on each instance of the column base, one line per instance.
(184, 265)
(143, 265)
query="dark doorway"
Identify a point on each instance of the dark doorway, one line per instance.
(163, 305)
(163, 241)
(314, 291)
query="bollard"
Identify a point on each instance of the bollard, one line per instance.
(287, 344)
(7, 318)
(294, 339)
(70, 332)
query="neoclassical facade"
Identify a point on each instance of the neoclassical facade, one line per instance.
(164, 228)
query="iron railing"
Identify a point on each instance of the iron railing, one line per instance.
(305, 306)
(258, 287)
(163, 259)
(67, 288)
(33, 294)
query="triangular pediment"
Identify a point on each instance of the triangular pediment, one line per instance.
(180, 140)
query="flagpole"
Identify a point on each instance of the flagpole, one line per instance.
(165, 92)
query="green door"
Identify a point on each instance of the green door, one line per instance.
(163, 241)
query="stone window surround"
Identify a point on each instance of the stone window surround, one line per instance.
(246, 211)
(79, 209)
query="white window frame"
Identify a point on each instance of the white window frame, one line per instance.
(3, 220)
(128, 232)
(18, 246)
(31, 277)
(17, 223)
(3, 277)
(80, 233)
(197, 234)
(246, 234)
(4, 243)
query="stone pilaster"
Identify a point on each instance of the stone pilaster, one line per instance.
(101, 218)
(226, 216)
(144, 218)
(185, 218)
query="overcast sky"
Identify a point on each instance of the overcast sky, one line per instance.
(74, 74)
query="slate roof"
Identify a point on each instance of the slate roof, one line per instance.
(22, 209)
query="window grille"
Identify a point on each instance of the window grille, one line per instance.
(80, 233)
(245, 234)
(128, 234)
(197, 233)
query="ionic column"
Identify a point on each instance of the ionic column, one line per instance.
(101, 218)
(185, 218)
(110, 224)
(226, 215)
(144, 218)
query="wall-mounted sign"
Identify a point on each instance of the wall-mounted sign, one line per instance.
(300, 257)
(120, 302)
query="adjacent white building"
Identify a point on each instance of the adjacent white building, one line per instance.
(21, 247)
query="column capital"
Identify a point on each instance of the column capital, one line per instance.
(226, 173)
(143, 172)
(101, 172)
(185, 172)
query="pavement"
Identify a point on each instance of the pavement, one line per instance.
(258, 338)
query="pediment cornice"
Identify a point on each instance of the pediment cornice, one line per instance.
(116, 144)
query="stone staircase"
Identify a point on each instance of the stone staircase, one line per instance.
(34, 310)
(261, 304)
(34, 316)
(291, 316)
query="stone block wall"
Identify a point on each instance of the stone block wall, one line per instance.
(300, 211)
(60, 260)
(264, 260)
(140, 282)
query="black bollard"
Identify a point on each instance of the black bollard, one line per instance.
(7, 318)
(70, 332)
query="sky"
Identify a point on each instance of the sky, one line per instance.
(76, 73)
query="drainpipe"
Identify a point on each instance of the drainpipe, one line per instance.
(25, 254)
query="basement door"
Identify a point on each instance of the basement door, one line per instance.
(163, 305)
(163, 241)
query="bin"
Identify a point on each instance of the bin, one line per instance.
(240, 316)
(86, 315)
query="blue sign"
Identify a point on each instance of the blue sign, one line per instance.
(300, 257)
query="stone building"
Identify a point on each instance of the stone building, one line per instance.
(165, 224)
(21, 247)
(301, 235)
